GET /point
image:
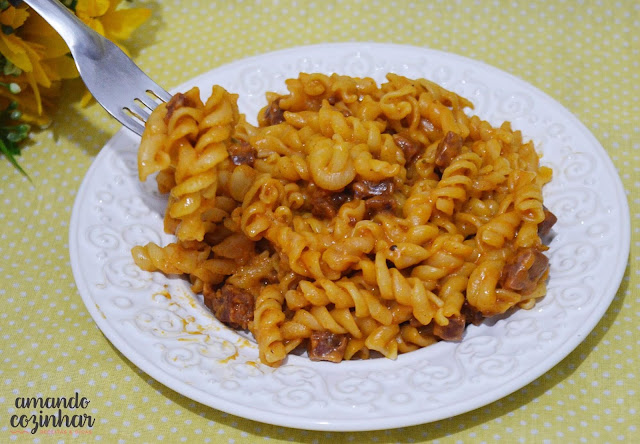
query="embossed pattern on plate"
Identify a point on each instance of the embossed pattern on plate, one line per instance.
(165, 330)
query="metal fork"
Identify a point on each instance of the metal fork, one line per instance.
(116, 82)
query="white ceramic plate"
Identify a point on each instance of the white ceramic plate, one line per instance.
(162, 328)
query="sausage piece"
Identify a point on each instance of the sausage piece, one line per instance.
(231, 305)
(471, 315)
(365, 189)
(377, 196)
(325, 204)
(549, 221)
(327, 346)
(448, 149)
(274, 114)
(241, 152)
(524, 272)
(177, 101)
(409, 147)
(453, 331)
(379, 204)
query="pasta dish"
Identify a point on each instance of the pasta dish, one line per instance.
(354, 220)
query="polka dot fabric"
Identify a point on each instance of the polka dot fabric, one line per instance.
(583, 53)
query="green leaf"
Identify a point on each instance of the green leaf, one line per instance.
(5, 150)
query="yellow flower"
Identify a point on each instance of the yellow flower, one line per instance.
(34, 59)
(40, 54)
(56, 60)
(104, 18)
(43, 57)
(115, 24)
(34, 109)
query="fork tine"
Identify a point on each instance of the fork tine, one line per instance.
(110, 75)
(130, 122)
(139, 111)
(147, 101)
(160, 93)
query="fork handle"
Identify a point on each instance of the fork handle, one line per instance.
(72, 30)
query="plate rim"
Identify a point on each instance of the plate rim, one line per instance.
(168, 380)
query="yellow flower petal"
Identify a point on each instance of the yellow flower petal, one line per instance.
(94, 24)
(13, 17)
(64, 67)
(36, 30)
(91, 8)
(28, 109)
(36, 91)
(38, 73)
(120, 24)
(27, 102)
(33, 119)
(113, 5)
(12, 48)
(25, 56)
(124, 49)
(86, 99)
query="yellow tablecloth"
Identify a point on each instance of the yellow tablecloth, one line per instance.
(585, 54)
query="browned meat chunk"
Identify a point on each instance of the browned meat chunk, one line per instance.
(231, 305)
(242, 152)
(448, 149)
(453, 331)
(274, 114)
(177, 101)
(325, 204)
(549, 221)
(380, 204)
(327, 346)
(471, 315)
(365, 189)
(409, 147)
(524, 272)
(377, 196)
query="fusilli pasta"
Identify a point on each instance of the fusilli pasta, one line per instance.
(354, 220)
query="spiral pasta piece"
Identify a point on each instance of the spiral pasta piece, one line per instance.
(267, 318)
(176, 258)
